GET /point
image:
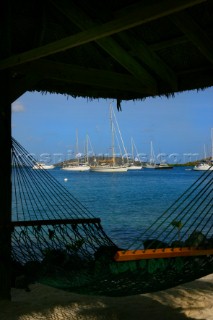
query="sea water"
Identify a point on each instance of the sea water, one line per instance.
(127, 203)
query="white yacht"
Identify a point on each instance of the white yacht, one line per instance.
(77, 166)
(203, 166)
(133, 165)
(111, 167)
(163, 165)
(108, 168)
(40, 165)
(151, 164)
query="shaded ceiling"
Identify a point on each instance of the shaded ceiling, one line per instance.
(120, 49)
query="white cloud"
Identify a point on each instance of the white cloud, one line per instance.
(18, 107)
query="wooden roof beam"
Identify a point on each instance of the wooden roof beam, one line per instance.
(151, 59)
(172, 42)
(194, 33)
(125, 21)
(168, 43)
(159, 9)
(83, 21)
(88, 76)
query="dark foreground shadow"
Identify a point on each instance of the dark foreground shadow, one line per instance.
(45, 303)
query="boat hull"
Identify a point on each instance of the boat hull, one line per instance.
(203, 167)
(163, 167)
(134, 168)
(76, 168)
(108, 169)
(43, 166)
(150, 166)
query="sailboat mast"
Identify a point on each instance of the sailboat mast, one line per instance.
(204, 152)
(113, 138)
(132, 149)
(77, 145)
(212, 142)
(87, 156)
(152, 154)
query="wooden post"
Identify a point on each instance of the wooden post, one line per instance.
(5, 187)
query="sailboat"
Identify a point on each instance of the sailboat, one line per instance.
(151, 164)
(132, 165)
(163, 165)
(203, 166)
(79, 166)
(41, 165)
(110, 167)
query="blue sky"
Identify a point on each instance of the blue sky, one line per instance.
(180, 125)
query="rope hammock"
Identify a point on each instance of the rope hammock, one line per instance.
(58, 242)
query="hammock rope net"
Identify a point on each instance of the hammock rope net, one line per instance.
(58, 242)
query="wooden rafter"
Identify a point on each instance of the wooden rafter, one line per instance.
(125, 21)
(151, 59)
(194, 33)
(168, 43)
(171, 42)
(83, 21)
(159, 9)
(91, 77)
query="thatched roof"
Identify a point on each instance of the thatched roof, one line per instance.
(120, 49)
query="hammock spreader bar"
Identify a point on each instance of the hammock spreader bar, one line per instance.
(55, 222)
(132, 255)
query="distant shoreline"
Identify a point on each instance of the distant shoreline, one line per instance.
(119, 161)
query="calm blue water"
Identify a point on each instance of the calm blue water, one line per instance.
(127, 202)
